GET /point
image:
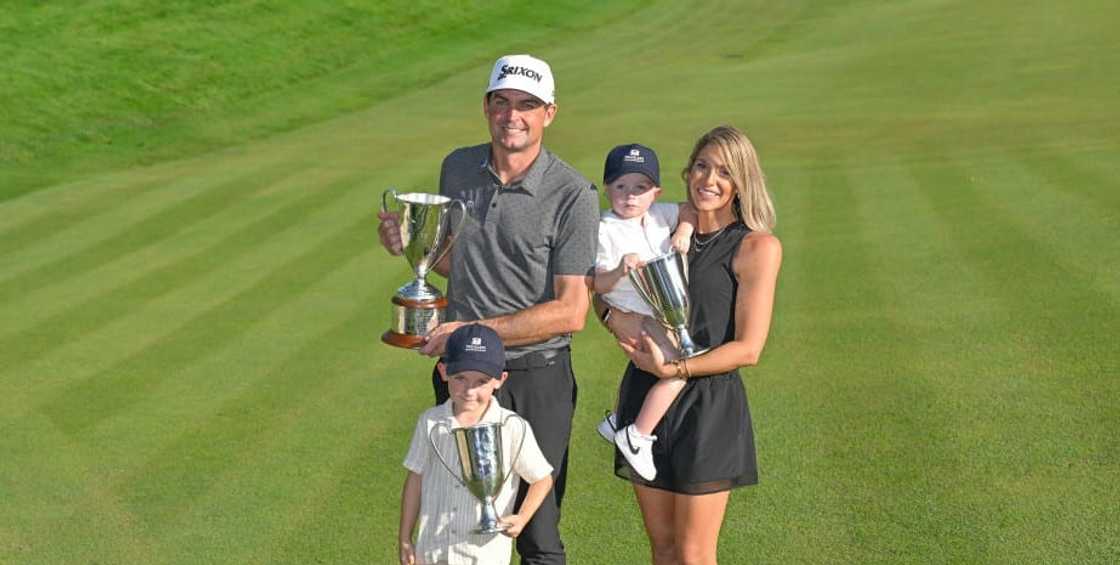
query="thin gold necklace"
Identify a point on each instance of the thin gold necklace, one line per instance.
(708, 239)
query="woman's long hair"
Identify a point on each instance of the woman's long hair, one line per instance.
(752, 201)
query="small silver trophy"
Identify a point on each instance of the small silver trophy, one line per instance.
(663, 283)
(480, 458)
(418, 306)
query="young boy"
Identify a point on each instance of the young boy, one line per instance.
(635, 230)
(473, 367)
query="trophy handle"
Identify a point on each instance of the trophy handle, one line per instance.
(455, 232)
(520, 446)
(439, 456)
(636, 282)
(385, 198)
(684, 266)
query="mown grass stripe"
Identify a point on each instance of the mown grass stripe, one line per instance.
(329, 386)
(116, 388)
(248, 423)
(80, 236)
(879, 348)
(59, 492)
(1034, 356)
(1060, 171)
(62, 216)
(98, 311)
(148, 231)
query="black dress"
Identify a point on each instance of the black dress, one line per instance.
(705, 443)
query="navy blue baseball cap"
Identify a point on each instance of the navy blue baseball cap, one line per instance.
(632, 158)
(475, 347)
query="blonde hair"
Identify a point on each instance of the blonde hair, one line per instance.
(752, 200)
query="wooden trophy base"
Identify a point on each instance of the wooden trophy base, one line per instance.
(412, 320)
(402, 340)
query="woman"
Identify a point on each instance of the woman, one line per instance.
(705, 443)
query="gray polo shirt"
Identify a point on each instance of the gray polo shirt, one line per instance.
(517, 237)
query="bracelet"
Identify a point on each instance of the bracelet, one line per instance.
(680, 370)
(687, 372)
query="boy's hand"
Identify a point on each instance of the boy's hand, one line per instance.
(514, 524)
(407, 553)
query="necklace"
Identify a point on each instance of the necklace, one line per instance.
(699, 244)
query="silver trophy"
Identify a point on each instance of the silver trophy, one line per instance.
(418, 306)
(663, 283)
(480, 458)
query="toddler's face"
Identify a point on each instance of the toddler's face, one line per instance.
(632, 194)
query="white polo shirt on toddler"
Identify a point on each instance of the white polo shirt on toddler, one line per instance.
(448, 511)
(648, 236)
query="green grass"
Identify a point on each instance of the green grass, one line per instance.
(94, 86)
(189, 363)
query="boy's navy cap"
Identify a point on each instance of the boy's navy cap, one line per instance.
(632, 158)
(475, 347)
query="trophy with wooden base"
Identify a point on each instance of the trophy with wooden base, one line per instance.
(418, 307)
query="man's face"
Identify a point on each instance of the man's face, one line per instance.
(517, 119)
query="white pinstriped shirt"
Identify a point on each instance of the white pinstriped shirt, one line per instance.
(448, 511)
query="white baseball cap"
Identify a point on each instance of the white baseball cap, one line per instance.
(525, 73)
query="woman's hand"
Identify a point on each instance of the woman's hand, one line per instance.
(626, 326)
(649, 357)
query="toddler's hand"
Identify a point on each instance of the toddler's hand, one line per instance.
(629, 262)
(681, 241)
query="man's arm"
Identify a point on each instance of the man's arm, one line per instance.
(564, 314)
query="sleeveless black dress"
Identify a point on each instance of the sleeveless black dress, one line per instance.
(705, 443)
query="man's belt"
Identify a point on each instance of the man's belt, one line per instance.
(536, 359)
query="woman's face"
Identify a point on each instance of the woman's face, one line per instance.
(709, 180)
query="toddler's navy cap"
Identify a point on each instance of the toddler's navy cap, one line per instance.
(632, 158)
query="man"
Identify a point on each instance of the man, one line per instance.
(521, 265)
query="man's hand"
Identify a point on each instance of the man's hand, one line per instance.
(389, 231)
(436, 340)
(407, 553)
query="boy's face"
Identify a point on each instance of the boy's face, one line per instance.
(471, 390)
(632, 194)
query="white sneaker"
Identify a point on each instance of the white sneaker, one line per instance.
(637, 449)
(608, 426)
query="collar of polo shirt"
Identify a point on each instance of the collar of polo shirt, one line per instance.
(533, 176)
